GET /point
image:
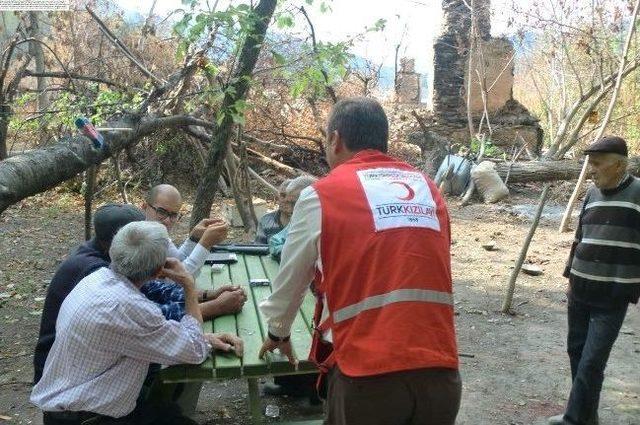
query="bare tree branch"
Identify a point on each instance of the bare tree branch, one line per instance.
(120, 45)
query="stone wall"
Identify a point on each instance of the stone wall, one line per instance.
(450, 51)
(408, 90)
(497, 55)
(511, 122)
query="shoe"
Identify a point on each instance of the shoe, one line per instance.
(282, 390)
(273, 389)
(557, 420)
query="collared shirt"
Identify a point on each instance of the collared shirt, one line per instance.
(300, 258)
(268, 225)
(169, 296)
(107, 335)
(87, 258)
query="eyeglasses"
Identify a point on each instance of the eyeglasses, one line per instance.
(164, 214)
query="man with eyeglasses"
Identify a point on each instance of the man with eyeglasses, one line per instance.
(163, 204)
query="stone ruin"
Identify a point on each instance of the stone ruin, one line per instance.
(511, 122)
(408, 89)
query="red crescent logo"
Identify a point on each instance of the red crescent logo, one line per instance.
(410, 192)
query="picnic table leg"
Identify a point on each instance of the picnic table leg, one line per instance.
(254, 401)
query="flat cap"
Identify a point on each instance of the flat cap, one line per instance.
(109, 218)
(608, 144)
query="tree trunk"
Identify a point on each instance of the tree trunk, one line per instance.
(5, 117)
(42, 169)
(237, 189)
(542, 171)
(35, 49)
(246, 63)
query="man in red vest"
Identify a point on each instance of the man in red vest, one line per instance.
(374, 237)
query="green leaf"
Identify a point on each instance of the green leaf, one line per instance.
(237, 118)
(220, 117)
(278, 58)
(379, 25)
(211, 69)
(324, 7)
(285, 21)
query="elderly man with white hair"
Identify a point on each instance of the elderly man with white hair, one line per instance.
(108, 333)
(603, 273)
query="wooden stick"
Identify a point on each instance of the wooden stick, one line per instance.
(112, 37)
(90, 185)
(514, 158)
(246, 186)
(289, 171)
(116, 171)
(506, 306)
(113, 129)
(467, 195)
(564, 224)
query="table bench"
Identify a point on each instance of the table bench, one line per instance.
(251, 326)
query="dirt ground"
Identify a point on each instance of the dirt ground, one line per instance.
(518, 373)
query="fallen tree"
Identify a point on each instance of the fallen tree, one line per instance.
(39, 170)
(543, 171)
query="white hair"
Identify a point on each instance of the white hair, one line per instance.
(139, 249)
(299, 183)
(283, 186)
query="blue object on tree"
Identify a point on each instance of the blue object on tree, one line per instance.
(85, 126)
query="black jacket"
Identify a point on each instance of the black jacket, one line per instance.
(84, 261)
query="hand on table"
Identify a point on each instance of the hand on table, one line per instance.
(284, 347)
(212, 295)
(230, 302)
(226, 342)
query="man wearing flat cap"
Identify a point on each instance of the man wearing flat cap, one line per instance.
(604, 275)
(88, 257)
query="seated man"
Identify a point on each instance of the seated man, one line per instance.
(274, 221)
(291, 385)
(88, 257)
(163, 205)
(291, 195)
(108, 333)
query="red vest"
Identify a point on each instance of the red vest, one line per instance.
(386, 267)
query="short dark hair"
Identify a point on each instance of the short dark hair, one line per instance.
(361, 123)
(109, 218)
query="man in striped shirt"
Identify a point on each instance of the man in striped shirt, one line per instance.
(604, 275)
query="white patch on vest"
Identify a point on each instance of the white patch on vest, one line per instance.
(399, 198)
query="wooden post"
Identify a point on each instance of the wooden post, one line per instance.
(566, 217)
(506, 306)
(90, 184)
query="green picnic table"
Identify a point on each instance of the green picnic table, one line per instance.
(251, 326)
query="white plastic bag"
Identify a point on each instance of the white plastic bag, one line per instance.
(488, 182)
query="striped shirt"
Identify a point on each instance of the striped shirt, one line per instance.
(604, 264)
(107, 334)
(268, 225)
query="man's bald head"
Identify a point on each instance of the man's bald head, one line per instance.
(162, 204)
(164, 190)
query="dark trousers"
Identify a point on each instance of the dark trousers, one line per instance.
(592, 332)
(145, 414)
(416, 397)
